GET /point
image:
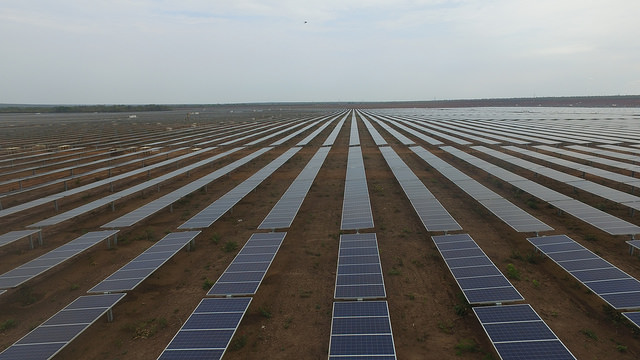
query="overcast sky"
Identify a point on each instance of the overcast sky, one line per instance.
(215, 51)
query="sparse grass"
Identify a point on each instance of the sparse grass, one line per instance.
(590, 237)
(74, 286)
(230, 246)
(466, 346)
(536, 283)
(589, 333)
(512, 272)
(265, 312)
(305, 293)
(446, 328)
(621, 348)
(215, 239)
(7, 324)
(394, 272)
(287, 322)
(462, 308)
(238, 343)
(207, 284)
(411, 296)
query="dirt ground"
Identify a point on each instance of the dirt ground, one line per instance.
(290, 316)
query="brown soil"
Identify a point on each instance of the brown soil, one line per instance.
(290, 316)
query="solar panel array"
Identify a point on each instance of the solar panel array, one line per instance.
(354, 137)
(39, 265)
(361, 330)
(359, 274)
(356, 207)
(517, 332)
(138, 269)
(334, 133)
(12, 236)
(164, 201)
(634, 317)
(608, 193)
(613, 285)
(51, 198)
(395, 133)
(248, 268)
(215, 210)
(433, 215)
(377, 138)
(595, 217)
(316, 132)
(53, 335)
(285, 210)
(110, 199)
(510, 214)
(478, 277)
(208, 331)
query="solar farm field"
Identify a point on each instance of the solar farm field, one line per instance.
(308, 232)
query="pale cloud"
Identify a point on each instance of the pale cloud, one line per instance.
(200, 51)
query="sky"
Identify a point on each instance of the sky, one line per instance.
(237, 51)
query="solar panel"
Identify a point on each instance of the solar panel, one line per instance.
(396, 134)
(334, 133)
(433, 215)
(359, 274)
(429, 128)
(95, 184)
(138, 269)
(354, 138)
(377, 138)
(208, 331)
(361, 330)
(316, 132)
(476, 275)
(356, 207)
(58, 331)
(54, 257)
(295, 133)
(510, 214)
(633, 244)
(517, 332)
(285, 210)
(634, 317)
(611, 284)
(17, 235)
(215, 210)
(164, 201)
(245, 273)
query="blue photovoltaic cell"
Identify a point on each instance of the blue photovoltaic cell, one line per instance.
(285, 210)
(54, 334)
(245, 273)
(359, 274)
(127, 278)
(478, 278)
(433, 215)
(611, 284)
(54, 257)
(209, 329)
(361, 329)
(634, 317)
(356, 207)
(517, 333)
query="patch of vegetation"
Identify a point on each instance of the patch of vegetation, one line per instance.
(462, 308)
(230, 246)
(446, 328)
(621, 348)
(394, 272)
(590, 237)
(207, 284)
(215, 239)
(466, 346)
(238, 343)
(74, 286)
(305, 293)
(589, 333)
(536, 283)
(411, 296)
(287, 322)
(26, 296)
(512, 272)
(7, 324)
(265, 312)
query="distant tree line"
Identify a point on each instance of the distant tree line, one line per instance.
(83, 108)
